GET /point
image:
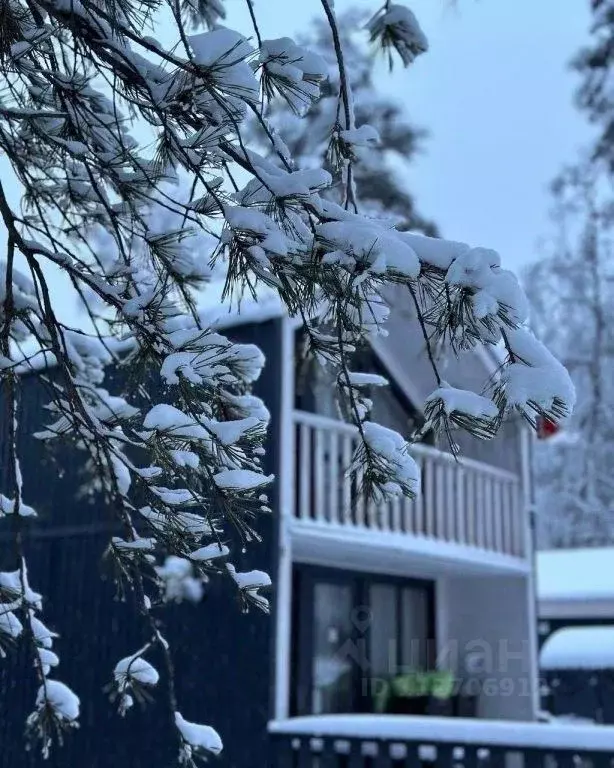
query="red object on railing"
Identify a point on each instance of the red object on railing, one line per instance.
(546, 428)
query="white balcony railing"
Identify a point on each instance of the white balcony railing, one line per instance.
(380, 741)
(462, 501)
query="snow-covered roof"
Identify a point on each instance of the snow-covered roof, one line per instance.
(218, 316)
(579, 648)
(575, 574)
(249, 311)
(401, 348)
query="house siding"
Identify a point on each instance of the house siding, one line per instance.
(223, 657)
(490, 617)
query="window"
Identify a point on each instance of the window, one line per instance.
(353, 631)
(331, 684)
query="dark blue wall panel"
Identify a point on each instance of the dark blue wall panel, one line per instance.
(223, 657)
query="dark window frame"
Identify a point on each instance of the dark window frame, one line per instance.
(304, 579)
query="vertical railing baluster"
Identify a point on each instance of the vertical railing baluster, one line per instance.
(346, 460)
(320, 475)
(492, 503)
(419, 526)
(412, 517)
(497, 513)
(517, 519)
(406, 514)
(383, 514)
(429, 495)
(523, 523)
(487, 511)
(305, 478)
(471, 507)
(440, 501)
(359, 496)
(461, 527)
(395, 514)
(480, 532)
(505, 518)
(333, 477)
(512, 522)
(374, 513)
(451, 529)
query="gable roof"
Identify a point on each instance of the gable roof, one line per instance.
(401, 349)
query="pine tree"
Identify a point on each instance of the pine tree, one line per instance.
(131, 158)
(393, 144)
(595, 63)
(572, 293)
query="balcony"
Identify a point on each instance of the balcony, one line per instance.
(389, 741)
(468, 511)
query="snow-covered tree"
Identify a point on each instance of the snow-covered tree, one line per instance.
(383, 154)
(135, 176)
(571, 294)
(595, 64)
(571, 290)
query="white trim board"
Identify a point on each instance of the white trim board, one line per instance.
(283, 615)
(364, 549)
(600, 608)
(526, 454)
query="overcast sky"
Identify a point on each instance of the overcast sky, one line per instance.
(496, 94)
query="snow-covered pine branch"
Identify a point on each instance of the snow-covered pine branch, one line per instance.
(309, 131)
(138, 180)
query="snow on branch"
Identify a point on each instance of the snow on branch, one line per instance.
(534, 382)
(132, 677)
(198, 741)
(449, 408)
(141, 186)
(396, 27)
